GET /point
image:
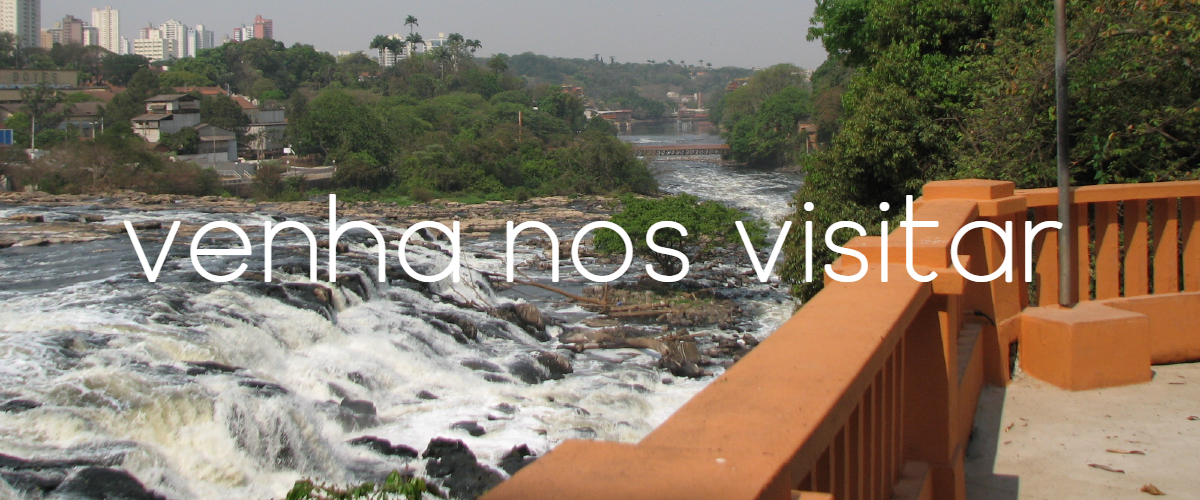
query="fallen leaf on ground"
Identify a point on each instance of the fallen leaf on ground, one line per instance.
(1010, 426)
(1149, 488)
(1193, 417)
(1175, 383)
(1107, 468)
(1126, 452)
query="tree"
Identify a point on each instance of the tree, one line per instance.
(771, 137)
(184, 142)
(41, 104)
(566, 107)
(386, 43)
(498, 63)
(223, 112)
(184, 78)
(119, 69)
(414, 40)
(710, 226)
(360, 170)
(411, 22)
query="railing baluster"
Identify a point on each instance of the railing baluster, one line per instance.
(885, 426)
(1108, 250)
(898, 408)
(879, 477)
(822, 472)
(1083, 261)
(841, 462)
(1137, 253)
(1019, 258)
(1191, 244)
(855, 455)
(1166, 246)
(870, 447)
(1047, 263)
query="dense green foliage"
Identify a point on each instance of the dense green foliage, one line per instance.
(464, 143)
(710, 225)
(761, 120)
(965, 89)
(115, 160)
(395, 487)
(641, 87)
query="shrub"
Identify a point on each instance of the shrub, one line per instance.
(395, 486)
(423, 195)
(710, 225)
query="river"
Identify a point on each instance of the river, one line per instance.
(217, 391)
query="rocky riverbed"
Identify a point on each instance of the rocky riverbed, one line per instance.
(192, 389)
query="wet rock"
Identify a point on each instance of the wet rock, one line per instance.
(481, 365)
(516, 459)
(34, 483)
(359, 406)
(28, 218)
(528, 371)
(92, 218)
(147, 225)
(356, 414)
(18, 406)
(209, 368)
(426, 395)
(558, 364)
(354, 283)
(470, 426)
(499, 379)
(455, 464)
(101, 483)
(33, 242)
(384, 447)
(264, 389)
(527, 316)
(506, 408)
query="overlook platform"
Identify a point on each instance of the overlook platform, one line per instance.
(1033, 440)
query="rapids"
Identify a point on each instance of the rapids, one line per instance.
(218, 391)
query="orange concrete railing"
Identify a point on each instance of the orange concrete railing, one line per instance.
(1131, 240)
(869, 391)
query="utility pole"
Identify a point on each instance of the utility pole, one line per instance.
(1066, 273)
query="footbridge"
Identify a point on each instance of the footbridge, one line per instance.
(681, 150)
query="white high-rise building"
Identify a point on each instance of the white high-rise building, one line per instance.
(205, 37)
(124, 46)
(107, 22)
(155, 48)
(192, 40)
(22, 18)
(176, 31)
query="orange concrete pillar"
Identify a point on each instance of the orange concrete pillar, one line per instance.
(1000, 300)
(1088, 347)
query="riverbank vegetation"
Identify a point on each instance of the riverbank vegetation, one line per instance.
(931, 90)
(438, 123)
(710, 226)
(639, 86)
(762, 121)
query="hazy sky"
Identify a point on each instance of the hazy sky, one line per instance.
(729, 32)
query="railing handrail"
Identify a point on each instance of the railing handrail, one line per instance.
(782, 421)
(1048, 197)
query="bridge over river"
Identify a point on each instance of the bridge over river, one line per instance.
(681, 149)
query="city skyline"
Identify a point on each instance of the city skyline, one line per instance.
(761, 34)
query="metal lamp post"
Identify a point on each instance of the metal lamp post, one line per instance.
(1066, 273)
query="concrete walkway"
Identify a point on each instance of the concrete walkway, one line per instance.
(1035, 441)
